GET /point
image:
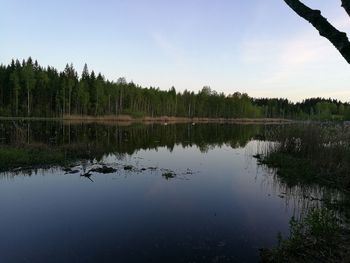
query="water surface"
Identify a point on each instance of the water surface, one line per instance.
(220, 206)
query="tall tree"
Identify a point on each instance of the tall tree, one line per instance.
(29, 80)
(28, 89)
(15, 85)
(71, 80)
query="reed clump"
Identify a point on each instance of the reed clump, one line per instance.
(310, 153)
(317, 237)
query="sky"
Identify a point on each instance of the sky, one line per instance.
(260, 47)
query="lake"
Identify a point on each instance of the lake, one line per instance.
(180, 193)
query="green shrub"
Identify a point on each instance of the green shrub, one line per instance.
(315, 238)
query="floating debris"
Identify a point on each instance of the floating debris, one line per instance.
(72, 172)
(128, 167)
(104, 170)
(257, 156)
(168, 175)
(189, 171)
(87, 175)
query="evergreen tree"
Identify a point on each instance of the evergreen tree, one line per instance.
(27, 89)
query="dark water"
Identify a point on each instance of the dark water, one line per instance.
(220, 207)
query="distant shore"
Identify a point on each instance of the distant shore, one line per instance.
(161, 119)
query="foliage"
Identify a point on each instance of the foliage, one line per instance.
(315, 238)
(27, 89)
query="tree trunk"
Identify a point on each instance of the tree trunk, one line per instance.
(120, 101)
(28, 109)
(69, 100)
(16, 102)
(64, 101)
(96, 104)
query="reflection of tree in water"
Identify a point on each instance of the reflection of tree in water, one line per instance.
(98, 139)
(94, 141)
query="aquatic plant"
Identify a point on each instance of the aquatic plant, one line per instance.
(318, 237)
(169, 175)
(310, 154)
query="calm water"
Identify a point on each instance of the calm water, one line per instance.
(220, 207)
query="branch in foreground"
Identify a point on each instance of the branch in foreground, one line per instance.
(337, 38)
(346, 5)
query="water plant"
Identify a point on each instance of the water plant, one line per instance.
(317, 237)
(310, 153)
(169, 175)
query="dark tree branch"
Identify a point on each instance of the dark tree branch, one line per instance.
(346, 5)
(327, 30)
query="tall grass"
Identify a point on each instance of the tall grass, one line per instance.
(317, 237)
(311, 153)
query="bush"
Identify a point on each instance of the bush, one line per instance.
(315, 238)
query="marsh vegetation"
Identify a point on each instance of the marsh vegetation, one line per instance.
(312, 154)
(317, 237)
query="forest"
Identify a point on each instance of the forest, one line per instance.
(30, 90)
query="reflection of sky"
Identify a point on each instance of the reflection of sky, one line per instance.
(257, 46)
(225, 204)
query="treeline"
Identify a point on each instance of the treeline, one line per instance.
(309, 109)
(28, 89)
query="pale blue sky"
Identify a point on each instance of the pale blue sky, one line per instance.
(256, 46)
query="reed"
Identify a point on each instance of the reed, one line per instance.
(310, 153)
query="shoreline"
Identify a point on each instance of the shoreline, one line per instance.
(148, 120)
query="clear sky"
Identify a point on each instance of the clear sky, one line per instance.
(256, 46)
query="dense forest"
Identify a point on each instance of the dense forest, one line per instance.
(28, 89)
